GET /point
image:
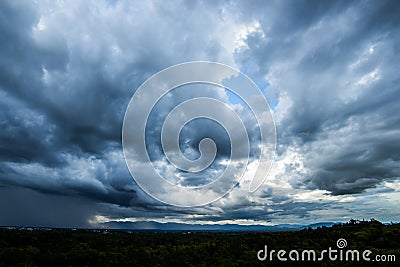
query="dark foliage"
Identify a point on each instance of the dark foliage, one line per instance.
(66, 247)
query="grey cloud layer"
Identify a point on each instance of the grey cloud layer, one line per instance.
(65, 83)
(68, 71)
(335, 69)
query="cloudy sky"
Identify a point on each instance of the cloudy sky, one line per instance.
(68, 69)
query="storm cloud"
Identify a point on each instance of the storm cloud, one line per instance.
(328, 69)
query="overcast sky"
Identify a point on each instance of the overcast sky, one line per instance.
(330, 70)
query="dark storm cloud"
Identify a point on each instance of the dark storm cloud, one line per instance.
(54, 111)
(24, 65)
(196, 130)
(93, 186)
(68, 71)
(335, 63)
(69, 75)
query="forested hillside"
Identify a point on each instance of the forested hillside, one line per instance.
(66, 247)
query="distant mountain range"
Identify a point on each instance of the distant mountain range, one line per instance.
(156, 226)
